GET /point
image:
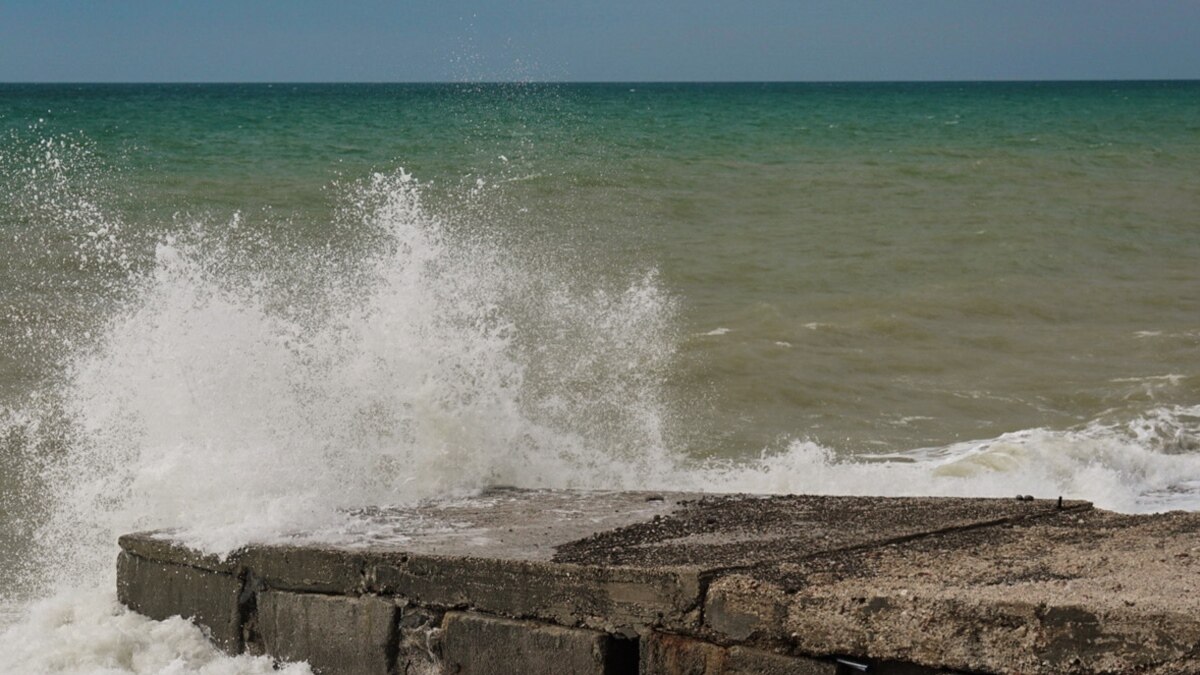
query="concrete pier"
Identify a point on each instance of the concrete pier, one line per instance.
(515, 581)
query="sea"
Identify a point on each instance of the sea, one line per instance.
(238, 310)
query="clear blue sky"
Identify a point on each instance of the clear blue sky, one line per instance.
(622, 40)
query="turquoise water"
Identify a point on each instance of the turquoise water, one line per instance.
(236, 309)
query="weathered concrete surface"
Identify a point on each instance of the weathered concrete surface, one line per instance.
(162, 590)
(476, 644)
(611, 599)
(1091, 592)
(664, 654)
(612, 561)
(334, 634)
(983, 585)
(494, 553)
(723, 532)
(162, 547)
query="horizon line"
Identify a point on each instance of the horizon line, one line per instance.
(613, 82)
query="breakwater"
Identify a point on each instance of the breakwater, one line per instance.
(517, 581)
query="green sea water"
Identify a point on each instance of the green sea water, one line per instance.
(896, 265)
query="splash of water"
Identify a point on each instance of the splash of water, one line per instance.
(439, 370)
(209, 401)
(88, 633)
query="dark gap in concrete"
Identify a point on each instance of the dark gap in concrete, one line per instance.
(902, 668)
(391, 649)
(623, 656)
(248, 610)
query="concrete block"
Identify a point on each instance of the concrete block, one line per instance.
(750, 661)
(336, 635)
(1086, 592)
(477, 644)
(162, 590)
(313, 569)
(664, 654)
(158, 546)
(615, 600)
(740, 606)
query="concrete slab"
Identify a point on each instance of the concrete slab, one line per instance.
(161, 546)
(613, 561)
(161, 590)
(336, 635)
(1091, 592)
(494, 553)
(477, 644)
(736, 570)
(665, 654)
(616, 600)
(722, 532)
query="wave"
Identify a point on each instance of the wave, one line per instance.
(1150, 463)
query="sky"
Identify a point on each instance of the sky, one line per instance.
(612, 40)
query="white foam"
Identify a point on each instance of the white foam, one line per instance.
(1147, 464)
(86, 632)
